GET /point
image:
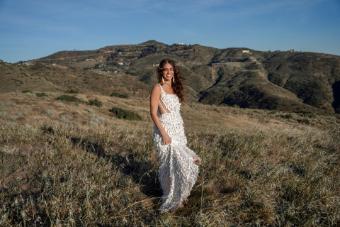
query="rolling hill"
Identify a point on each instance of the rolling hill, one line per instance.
(283, 80)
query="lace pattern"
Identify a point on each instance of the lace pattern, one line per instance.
(177, 172)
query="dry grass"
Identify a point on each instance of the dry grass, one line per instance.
(67, 164)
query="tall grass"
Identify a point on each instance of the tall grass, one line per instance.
(57, 174)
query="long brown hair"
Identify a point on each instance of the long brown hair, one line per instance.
(177, 85)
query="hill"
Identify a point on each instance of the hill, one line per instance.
(282, 80)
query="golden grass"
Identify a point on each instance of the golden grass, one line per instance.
(68, 164)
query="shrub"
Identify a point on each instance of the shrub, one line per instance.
(95, 102)
(125, 114)
(69, 98)
(41, 94)
(115, 94)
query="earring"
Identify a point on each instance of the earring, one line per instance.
(162, 80)
(173, 79)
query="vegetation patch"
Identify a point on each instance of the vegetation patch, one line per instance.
(41, 94)
(69, 98)
(95, 102)
(115, 94)
(125, 114)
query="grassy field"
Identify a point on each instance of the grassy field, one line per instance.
(73, 163)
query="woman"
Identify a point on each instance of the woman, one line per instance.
(178, 169)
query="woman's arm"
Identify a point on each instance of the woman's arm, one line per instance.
(154, 101)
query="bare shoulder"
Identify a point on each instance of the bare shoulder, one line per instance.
(157, 85)
(156, 89)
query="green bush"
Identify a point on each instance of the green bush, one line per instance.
(69, 98)
(125, 114)
(115, 94)
(26, 91)
(95, 102)
(41, 94)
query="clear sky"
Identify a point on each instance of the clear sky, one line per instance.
(35, 28)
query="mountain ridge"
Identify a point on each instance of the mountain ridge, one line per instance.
(283, 80)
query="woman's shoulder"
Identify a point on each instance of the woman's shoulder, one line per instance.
(156, 88)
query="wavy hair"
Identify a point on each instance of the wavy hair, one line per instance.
(177, 85)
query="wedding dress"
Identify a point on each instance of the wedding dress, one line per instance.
(177, 172)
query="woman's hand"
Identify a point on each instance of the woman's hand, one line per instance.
(166, 139)
(197, 160)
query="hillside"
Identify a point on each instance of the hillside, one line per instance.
(72, 161)
(282, 80)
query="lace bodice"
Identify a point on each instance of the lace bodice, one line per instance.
(171, 101)
(171, 119)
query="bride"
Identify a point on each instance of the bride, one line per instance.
(178, 169)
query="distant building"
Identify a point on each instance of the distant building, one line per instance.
(245, 51)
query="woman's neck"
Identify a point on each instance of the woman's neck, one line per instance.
(167, 83)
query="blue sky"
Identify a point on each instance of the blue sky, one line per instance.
(35, 28)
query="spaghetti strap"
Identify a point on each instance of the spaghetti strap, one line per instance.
(161, 87)
(163, 106)
(166, 93)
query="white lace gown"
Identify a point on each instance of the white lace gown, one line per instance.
(177, 172)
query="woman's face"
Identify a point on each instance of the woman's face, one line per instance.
(168, 72)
